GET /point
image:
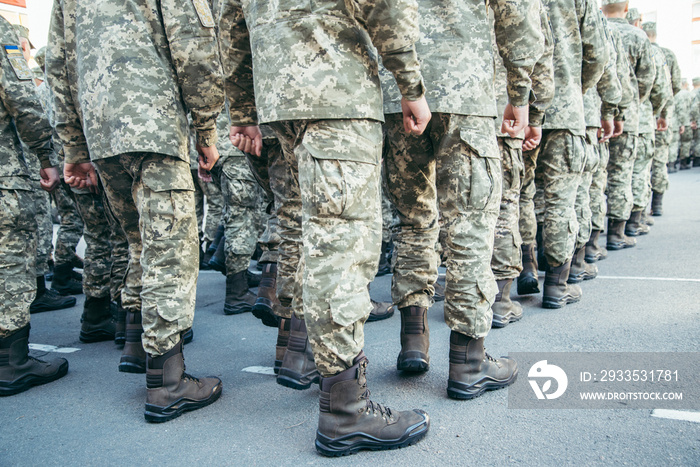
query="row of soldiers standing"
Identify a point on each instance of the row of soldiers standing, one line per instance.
(581, 100)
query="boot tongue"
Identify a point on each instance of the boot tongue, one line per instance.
(361, 373)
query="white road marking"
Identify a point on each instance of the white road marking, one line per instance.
(52, 348)
(677, 415)
(261, 370)
(635, 278)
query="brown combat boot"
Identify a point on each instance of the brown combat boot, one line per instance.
(594, 252)
(171, 391)
(133, 359)
(97, 321)
(657, 201)
(266, 300)
(634, 226)
(19, 371)
(527, 281)
(298, 369)
(415, 340)
(239, 299)
(282, 342)
(380, 310)
(505, 310)
(473, 371)
(580, 269)
(617, 240)
(349, 421)
(557, 292)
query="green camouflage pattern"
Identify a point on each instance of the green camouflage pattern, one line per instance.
(622, 154)
(599, 183)
(641, 172)
(527, 223)
(44, 232)
(661, 93)
(71, 228)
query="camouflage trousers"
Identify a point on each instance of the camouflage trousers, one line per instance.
(120, 255)
(599, 183)
(583, 195)
(455, 167)
(18, 226)
(695, 145)
(44, 245)
(506, 262)
(152, 197)
(685, 145)
(210, 194)
(390, 218)
(527, 223)
(675, 145)
(659, 169)
(71, 228)
(623, 150)
(561, 163)
(641, 172)
(339, 175)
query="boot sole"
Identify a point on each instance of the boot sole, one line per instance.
(461, 391)
(129, 364)
(156, 414)
(412, 365)
(120, 340)
(228, 311)
(43, 309)
(294, 382)
(617, 246)
(263, 311)
(372, 317)
(354, 442)
(30, 381)
(95, 336)
(504, 321)
(556, 304)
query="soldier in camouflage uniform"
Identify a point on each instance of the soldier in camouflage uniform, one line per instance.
(22, 117)
(695, 117)
(332, 128)
(140, 149)
(580, 55)
(681, 127)
(623, 148)
(663, 136)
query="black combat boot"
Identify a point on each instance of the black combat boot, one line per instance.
(19, 371)
(49, 300)
(63, 281)
(211, 248)
(473, 371)
(282, 342)
(504, 309)
(119, 314)
(266, 300)
(298, 369)
(218, 260)
(97, 321)
(385, 259)
(349, 421)
(657, 200)
(438, 291)
(415, 340)
(557, 292)
(171, 391)
(580, 269)
(617, 240)
(527, 281)
(634, 226)
(133, 359)
(594, 252)
(539, 240)
(239, 299)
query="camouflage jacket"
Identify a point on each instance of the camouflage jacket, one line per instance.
(315, 59)
(580, 55)
(682, 103)
(695, 105)
(21, 116)
(661, 93)
(673, 68)
(542, 79)
(642, 68)
(124, 74)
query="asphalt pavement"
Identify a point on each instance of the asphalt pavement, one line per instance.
(94, 415)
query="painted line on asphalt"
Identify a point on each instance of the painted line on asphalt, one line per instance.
(676, 415)
(635, 278)
(260, 370)
(51, 348)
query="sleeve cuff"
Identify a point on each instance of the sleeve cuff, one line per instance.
(536, 117)
(206, 138)
(76, 154)
(519, 96)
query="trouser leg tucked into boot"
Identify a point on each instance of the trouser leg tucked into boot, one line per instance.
(617, 240)
(473, 371)
(171, 391)
(505, 310)
(595, 252)
(384, 267)
(239, 299)
(527, 281)
(298, 370)
(133, 359)
(349, 421)
(415, 340)
(635, 226)
(557, 292)
(580, 269)
(97, 321)
(119, 314)
(48, 299)
(657, 200)
(539, 240)
(19, 371)
(267, 296)
(63, 281)
(282, 342)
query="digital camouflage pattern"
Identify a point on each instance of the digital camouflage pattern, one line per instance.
(680, 144)
(599, 183)
(641, 172)
(527, 223)
(622, 154)
(71, 228)
(661, 93)
(663, 139)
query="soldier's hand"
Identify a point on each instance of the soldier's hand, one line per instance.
(81, 176)
(50, 178)
(247, 139)
(607, 130)
(661, 124)
(515, 119)
(533, 136)
(416, 115)
(681, 130)
(207, 157)
(619, 128)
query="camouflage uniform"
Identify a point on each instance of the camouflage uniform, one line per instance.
(624, 147)
(331, 127)
(695, 116)
(579, 60)
(140, 146)
(20, 112)
(680, 144)
(208, 193)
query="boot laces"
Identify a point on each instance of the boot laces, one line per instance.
(371, 406)
(492, 359)
(186, 376)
